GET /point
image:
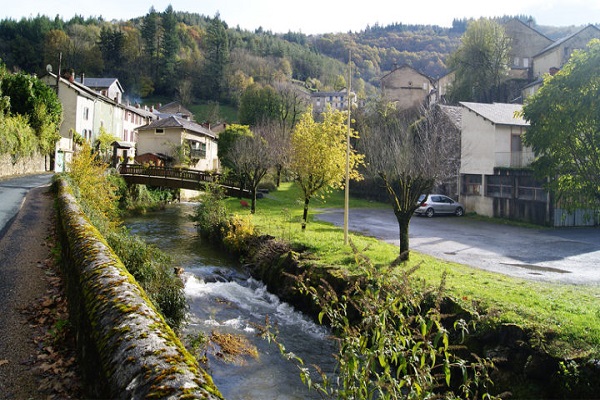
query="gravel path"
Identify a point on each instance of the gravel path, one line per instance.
(23, 250)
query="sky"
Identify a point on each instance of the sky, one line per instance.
(319, 16)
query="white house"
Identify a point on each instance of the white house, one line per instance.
(165, 136)
(495, 180)
(86, 110)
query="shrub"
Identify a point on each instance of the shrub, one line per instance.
(391, 340)
(211, 215)
(238, 232)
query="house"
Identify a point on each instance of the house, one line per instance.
(107, 87)
(86, 111)
(494, 176)
(525, 43)
(170, 135)
(408, 88)
(337, 100)
(174, 108)
(558, 53)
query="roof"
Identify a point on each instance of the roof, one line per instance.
(498, 113)
(96, 83)
(406, 66)
(174, 108)
(565, 39)
(177, 122)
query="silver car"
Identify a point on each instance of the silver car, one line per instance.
(438, 204)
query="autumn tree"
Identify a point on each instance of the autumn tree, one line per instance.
(318, 155)
(481, 62)
(252, 157)
(407, 155)
(564, 130)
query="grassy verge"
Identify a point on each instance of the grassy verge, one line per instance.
(565, 317)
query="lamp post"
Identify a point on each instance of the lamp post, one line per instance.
(347, 184)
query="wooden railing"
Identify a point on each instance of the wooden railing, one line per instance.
(176, 177)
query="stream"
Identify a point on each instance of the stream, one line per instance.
(223, 298)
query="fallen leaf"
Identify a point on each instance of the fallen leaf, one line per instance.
(2, 362)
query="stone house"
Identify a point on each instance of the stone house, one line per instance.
(558, 53)
(408, 88)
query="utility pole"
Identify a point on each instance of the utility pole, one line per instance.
(347, 185)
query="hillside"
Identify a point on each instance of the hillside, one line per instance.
(195, 58)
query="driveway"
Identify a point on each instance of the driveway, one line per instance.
(12, 195)
(565, 255)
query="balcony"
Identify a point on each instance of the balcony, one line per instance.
(515, 159)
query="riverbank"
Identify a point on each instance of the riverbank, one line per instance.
(543, 336)
(37, 355)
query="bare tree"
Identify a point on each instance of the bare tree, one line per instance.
(407, 153)
(251, 158)
(293, 104)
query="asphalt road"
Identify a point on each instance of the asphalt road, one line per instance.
(566, 255)
(12, 195)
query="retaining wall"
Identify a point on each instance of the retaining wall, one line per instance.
(22, 166)
(126, 349)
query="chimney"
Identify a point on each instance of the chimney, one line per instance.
(83, 78)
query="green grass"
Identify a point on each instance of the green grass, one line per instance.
(566, 316)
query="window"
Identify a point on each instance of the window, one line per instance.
(197, 150)
(499, 186)
(471, 184)
(86, 113)
(159, 131)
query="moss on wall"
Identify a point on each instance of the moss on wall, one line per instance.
(127, 349)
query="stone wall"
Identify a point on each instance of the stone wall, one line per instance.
(22, 166)
(127, 350)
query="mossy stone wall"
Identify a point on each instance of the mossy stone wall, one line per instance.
(127, 350)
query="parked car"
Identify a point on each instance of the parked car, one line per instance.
(438, 204)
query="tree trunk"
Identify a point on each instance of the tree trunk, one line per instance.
(278, 178)
(305, 214)
(403, 224)
(253, 202)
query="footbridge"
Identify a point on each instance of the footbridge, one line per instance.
(178, 178)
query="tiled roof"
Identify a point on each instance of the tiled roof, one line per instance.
(177, 122)
(498, 113)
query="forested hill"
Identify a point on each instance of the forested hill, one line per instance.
(194, 57)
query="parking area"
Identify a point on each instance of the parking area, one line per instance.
(566, 255)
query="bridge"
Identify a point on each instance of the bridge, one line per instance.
(178, 178)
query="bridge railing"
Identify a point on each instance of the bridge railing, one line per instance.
(175, 173)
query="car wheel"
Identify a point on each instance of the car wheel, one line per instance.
(459, 212)
(429, 213)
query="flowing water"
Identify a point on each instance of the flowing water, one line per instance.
(223, 298)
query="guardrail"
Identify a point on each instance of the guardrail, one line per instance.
(178, 177)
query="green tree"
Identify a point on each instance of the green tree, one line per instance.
(226, 140)
(481, 62)
(217, 58)
(36, 102)
(112, 46)
(564, 130)
(259, 104)
(151, 35)
(318, 155)
(169, 50)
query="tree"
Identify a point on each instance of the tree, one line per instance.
(481, 62)
(564, 130)
(318, 155)
(38, 103)
(217, 58)
(407, 155)
(252, 158)
(258, 104)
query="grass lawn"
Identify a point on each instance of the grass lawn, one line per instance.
(566, 316)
